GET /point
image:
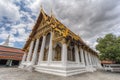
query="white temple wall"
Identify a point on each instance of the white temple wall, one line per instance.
(83, 61)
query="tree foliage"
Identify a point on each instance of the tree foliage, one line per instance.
(109, 47)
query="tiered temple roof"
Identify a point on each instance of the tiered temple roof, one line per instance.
(54, 23)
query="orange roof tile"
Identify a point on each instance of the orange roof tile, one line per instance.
(10, 53)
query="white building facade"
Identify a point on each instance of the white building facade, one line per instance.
(52, 48)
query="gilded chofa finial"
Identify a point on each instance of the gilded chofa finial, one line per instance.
(51, 13)
(42, 11)
(41, 6)
(78, 35)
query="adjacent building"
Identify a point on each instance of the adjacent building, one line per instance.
(10, 56)
(55, 49)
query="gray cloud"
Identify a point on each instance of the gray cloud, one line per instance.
(89, 18)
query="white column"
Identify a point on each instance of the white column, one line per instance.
(99, 63)
(35, 52)
(95, 62)
(92, 60)
(50, 49)
(89, 55)
(86, 58)
(23, 58)
(82, 56)
(7, 63)
(77, 59)
(64, 54)
(42, 50)
(30, 51)
(10, 63)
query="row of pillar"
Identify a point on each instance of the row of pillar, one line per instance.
(86, 58)
(34, 56)
(91, 60)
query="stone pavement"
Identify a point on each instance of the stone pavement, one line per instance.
(18, 74)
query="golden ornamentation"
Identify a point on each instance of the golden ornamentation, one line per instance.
(60, 32)
(65, 33)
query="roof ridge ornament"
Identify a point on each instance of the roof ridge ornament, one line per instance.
(42, 11)
(41, 8)
(51, 13)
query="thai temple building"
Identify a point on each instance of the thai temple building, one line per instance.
(53, 48)
(10, 56)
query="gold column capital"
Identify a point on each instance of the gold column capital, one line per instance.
(33, 39)
(63, 41)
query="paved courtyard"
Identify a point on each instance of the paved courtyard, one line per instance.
(18, 74)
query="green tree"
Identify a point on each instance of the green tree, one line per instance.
(109, 48)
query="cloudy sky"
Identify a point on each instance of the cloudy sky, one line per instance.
(88, 18)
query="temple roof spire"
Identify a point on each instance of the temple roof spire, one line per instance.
(6, 43)
(51, 13)
(41, 8)
(43, 12)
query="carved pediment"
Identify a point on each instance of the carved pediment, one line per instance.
(45, 24)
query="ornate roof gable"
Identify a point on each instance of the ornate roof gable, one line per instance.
(50, 21)
(40, 20)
